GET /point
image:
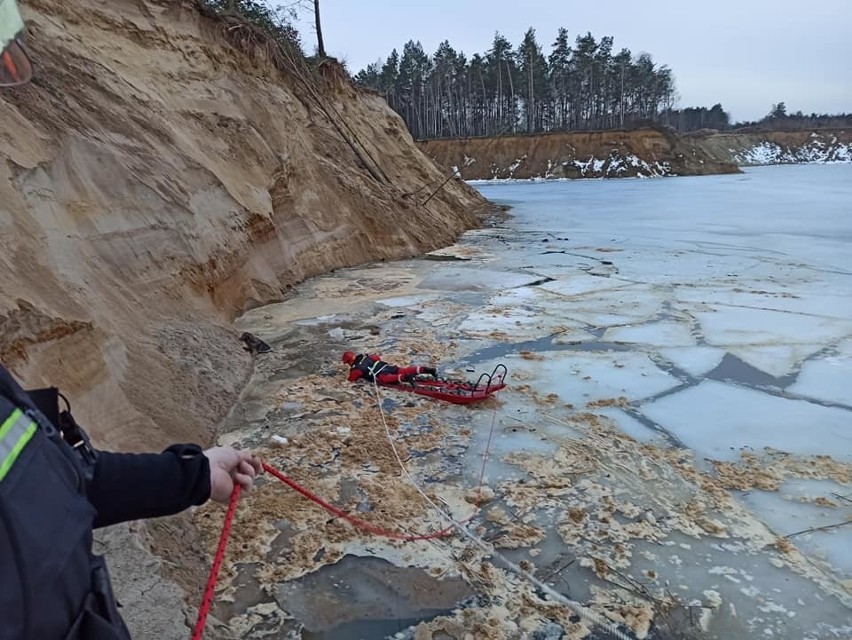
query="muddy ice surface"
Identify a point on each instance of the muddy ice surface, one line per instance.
(674, 450)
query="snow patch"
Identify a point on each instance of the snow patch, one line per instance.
(817, 150)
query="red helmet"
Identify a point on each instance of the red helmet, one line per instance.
(348, 357)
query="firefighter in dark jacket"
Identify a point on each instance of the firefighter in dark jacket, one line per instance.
(371, 367)
(55, 488)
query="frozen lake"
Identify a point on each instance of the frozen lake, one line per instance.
(737, 287)
(678, 404)
(734, 297)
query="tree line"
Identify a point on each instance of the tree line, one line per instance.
(584, 84)
(779, 120)
(698, 118)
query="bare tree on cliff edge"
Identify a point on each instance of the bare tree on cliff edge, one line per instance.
(320, 44)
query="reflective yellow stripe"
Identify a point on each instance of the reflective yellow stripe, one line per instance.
(9, 422)
(15, 433)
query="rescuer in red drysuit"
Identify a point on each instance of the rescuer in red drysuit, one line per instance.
(371, 367)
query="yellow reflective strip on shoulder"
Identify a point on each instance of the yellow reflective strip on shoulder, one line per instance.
(15, 433)
(8, 422)
(26, 436)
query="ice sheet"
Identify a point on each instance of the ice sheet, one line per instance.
(828, 379)
(578, 284)
(612, 307)
(772, 297)
(406, 301)
(659, 334)
(725, 326)
(581, 377)
(807, 504)
(776, 360)
(717, 420)
(631, 426)
(465, 278)
(772, 341)
(521, 314)
(696, 361)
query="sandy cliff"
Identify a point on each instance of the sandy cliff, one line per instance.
(777, 147)
(575, 154)
(643, 152)
(162, 174)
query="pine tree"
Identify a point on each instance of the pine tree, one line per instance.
(411, 87)
(532, 73)
(559, 66)
(502, 72)
(443, 82)
(584, 63)
(778, 111)
(389, 77)
(369, 77)
(479, 96)
(621, 67)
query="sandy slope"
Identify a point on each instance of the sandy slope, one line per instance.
(156, 181)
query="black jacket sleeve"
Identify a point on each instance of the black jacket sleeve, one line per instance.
(132, 486)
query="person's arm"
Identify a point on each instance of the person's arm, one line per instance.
(354, 374)
(128, 486)
(132, 486)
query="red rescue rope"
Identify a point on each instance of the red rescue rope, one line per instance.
(361, 524)
(207, 601)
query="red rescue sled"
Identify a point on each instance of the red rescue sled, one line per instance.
(457, 391)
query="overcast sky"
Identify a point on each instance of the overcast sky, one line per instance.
(746, 54)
